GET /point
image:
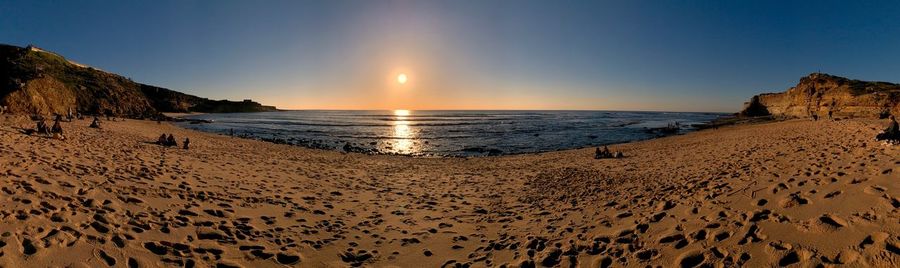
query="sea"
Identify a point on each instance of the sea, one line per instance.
(449, 133)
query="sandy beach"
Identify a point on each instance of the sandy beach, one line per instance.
(784, 193)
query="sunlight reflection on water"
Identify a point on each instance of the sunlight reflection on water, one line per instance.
(403, 134)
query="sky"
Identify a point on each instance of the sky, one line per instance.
(707, 56)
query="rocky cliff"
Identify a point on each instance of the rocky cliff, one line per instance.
(822, 94)
(38, 81)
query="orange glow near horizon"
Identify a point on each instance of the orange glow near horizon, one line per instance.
(427, 89)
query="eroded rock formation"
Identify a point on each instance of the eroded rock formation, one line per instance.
(822, 94)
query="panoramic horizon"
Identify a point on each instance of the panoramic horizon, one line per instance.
(704, 56)
(449, 133)
(511, 110)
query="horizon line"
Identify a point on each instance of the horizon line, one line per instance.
(549, 110)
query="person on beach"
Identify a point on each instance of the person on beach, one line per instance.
(831, 110)
(171, 141)
(162, 139)
(95, 123)
(891, 133)
(57, 131)
(42, 128)
(605, 153)
(57, 127)
(599, 154)
(187, 141)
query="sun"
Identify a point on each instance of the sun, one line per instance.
(401, 79)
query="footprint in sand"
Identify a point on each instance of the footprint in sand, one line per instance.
(779, 187)
(722, 235)
(28, 247)
(873, 239)
(794, 199)
(833, 194)
(846, 256)
(109, 260)
(287, 259)
(691, 259)
(833, 221)
(602, 262)
(875, 190)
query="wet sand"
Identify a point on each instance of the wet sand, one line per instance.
(785, 193)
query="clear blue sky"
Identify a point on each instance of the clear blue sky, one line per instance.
(625, 55)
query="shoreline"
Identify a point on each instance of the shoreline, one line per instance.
(753, 195)
(659, 132)
(181, 115)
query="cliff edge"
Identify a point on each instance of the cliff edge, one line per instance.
(825, 95)
(36, 81)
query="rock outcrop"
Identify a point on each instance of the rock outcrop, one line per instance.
(822, 95)
(36, 81)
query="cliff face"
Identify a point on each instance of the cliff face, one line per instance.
(37, 81)
(818, 94)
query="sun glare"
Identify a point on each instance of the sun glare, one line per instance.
(403, 133)
(401, 79)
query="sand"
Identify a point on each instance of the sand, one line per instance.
(785, 193)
